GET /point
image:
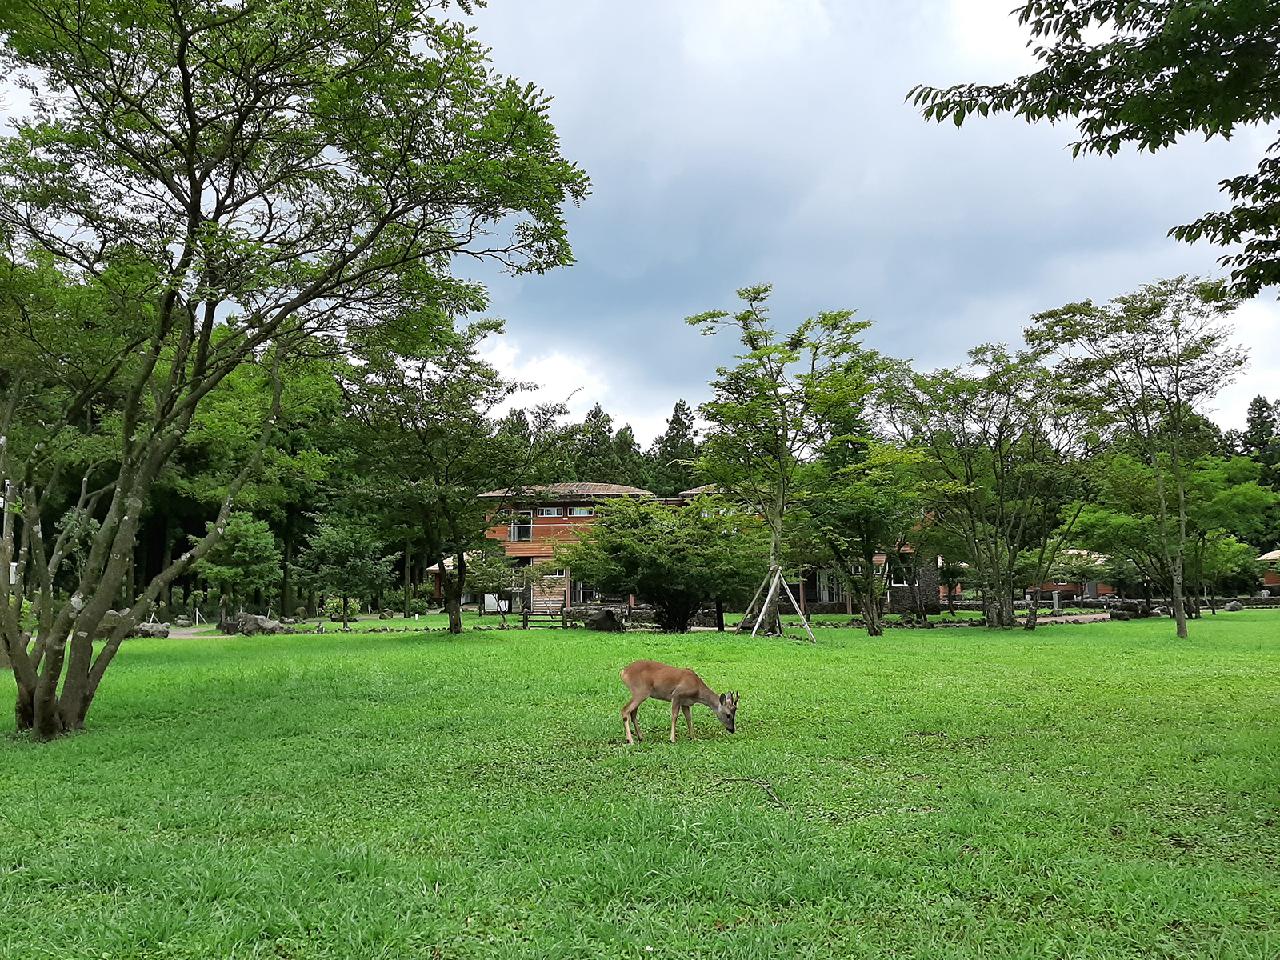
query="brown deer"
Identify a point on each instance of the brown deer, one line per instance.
(684, 688)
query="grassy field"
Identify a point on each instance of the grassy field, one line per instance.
(1084, 791)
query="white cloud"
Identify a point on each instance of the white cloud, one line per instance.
(1257, 327)
(728, 35)
(579, 380)
(985, 38)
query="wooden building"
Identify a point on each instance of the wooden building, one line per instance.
(533, 520)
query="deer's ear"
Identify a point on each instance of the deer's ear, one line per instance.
(722, 699)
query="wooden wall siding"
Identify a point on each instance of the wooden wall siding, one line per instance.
(546, 533)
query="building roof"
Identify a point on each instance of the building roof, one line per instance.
(1271, 557)
(698, 491)
(566, 491)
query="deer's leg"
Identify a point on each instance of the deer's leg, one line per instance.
(688, 720)
(635, 722)
(675, 712)
(629, 717)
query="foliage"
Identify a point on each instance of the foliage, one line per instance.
(1003, 452)
(863, 499)
(1226, 507)
(779, 403)
(1147, 363)
(346, 557)
(246, 558)
(674, 557)
(202, 187)
(430, 443)
(1149, 74)
(674, 453)
(1260, 441)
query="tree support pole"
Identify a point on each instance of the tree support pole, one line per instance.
(804, 621)
(768, 602)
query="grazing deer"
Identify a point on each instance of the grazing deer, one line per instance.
(684, 688)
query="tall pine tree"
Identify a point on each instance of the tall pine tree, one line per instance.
(672, 455)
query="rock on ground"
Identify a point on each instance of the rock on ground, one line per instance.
(606, 621)
(251, 624)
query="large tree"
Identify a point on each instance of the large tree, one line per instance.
(1149, 74)
(1225, 508)
(430, 442)
(204, 184)
(771, 410)
(244, 560)
(863, 499)
(674, 557)
(1002, 448)
(1148, 362)
(347, 558)
(674, 453)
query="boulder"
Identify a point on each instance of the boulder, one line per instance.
(606, 621)
(1235, 606)
(182, 622)
(111, 619)
(1121, 615)
(251, 624)
(107, 625)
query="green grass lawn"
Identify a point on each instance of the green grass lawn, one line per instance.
(1083, 791)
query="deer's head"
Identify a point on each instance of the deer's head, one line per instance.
(728, 709)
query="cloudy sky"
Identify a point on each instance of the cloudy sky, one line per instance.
(731, 142)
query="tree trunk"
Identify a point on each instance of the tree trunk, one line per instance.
(454, 589)
(720, 614)
(170, 536)
(286, 561)
(1176, 601)
(871, 596)
(770, 624)
(1033, 616)
(344, 611)
(1033, 610)
(408, 578)
(24, 709)
(770, 621)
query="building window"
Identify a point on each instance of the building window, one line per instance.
(582, 511)
(550, 511)
(521, 529)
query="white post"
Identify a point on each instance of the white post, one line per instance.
(768, 600)
(796, 607)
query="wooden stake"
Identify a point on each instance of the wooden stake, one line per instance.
(796, 607)
(768, 602)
